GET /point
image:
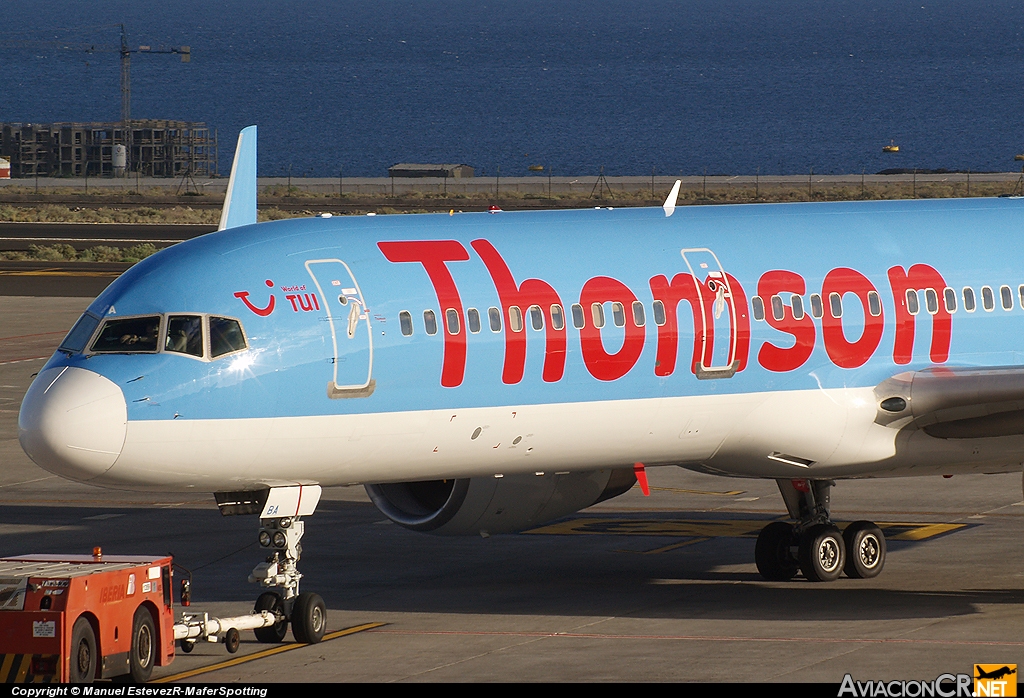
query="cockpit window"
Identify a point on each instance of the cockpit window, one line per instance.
(79, 335)
(128, 335)
(225, 336)
(185, 334)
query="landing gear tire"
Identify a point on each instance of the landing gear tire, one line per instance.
(822, 553)
(232, 640)
(269, 601)
(142, 655)
(83, 652)
(309, 618)
(772, 554)
(187, 645)
(865, 550)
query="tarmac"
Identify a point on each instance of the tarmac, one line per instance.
(658, 588)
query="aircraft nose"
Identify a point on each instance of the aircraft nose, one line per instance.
(73, 422)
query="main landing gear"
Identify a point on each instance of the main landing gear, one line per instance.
(279, 573)
(814, 545)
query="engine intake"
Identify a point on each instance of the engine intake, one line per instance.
(489, 505)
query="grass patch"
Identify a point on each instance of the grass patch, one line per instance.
(67, 253)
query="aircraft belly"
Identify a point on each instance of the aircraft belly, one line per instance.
(799, 434)
(403, 446)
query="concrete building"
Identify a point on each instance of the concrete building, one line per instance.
(156, 148)
(405, 169)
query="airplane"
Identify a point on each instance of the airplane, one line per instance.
(485, 373)
(995, 674)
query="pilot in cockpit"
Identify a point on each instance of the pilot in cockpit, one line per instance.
(149, 338)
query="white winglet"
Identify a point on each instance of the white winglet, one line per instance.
(670, 202)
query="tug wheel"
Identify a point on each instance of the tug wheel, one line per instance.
(83, 658)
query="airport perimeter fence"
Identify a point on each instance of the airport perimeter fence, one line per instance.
(694, 188)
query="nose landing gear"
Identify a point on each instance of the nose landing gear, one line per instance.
(279, 573)
(814, 545)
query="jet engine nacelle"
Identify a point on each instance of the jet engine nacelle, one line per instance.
(487, 505)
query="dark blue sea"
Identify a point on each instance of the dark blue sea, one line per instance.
(730, 86)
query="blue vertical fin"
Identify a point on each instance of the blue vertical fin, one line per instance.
(240, 200)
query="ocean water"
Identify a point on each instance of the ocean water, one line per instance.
(726, 86)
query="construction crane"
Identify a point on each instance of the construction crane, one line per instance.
(126, 66)
(126, 78)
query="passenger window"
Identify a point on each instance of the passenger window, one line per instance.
(913, 306)
(578, 320)
(80, 334)
(835, 302)
(473, 320)
(129, 335)
(429, 322)
(225, 336)
(969, 303)
(405, 321)
(536, 317)
(452, 320)
(618, 315)
(874, 304)
(515, 319)
(638, 314)
(758, 306)
(1020, 292)
(185, 334)
(931, 300)
(778, 309)
(950, 297)
(988, 300)
(597, 311)
(494, 318)
(816, 310)
(557, 321)
(659, 313)
(1006, 295)
(798, 306)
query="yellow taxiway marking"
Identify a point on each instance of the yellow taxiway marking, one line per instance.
(679, 490)
(676, 528)
(59, 272)
(704, 529)
(666, 548)
(917, 531)
(264, 653)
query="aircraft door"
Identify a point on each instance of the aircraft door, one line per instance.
(718, 314)
(349, 320)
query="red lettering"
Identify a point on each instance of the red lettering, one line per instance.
(776, 358)
(739, 300)
(292, 299)
(531, 292)
(601, 364)
(920, 276)
(682, 288)
(433, 255)
(305, 302)
(843, 353)
(685, 287)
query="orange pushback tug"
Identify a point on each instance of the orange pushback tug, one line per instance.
(83, 617)
(80, 617)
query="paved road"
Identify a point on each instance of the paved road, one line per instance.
(635, 589)
(18, 236)
(61, 279)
